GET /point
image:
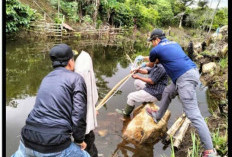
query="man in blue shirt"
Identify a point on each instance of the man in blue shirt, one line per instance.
(185, 78)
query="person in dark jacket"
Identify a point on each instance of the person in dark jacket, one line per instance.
(59, 112)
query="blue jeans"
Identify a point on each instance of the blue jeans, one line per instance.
(72, 151)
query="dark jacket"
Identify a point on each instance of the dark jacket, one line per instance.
(59, 112)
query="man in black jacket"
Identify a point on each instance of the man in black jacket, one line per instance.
(59, 112)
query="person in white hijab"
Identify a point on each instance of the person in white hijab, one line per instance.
(84, 66)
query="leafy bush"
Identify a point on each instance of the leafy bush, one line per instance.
(146, 16)
(221, 18)
(87, 19)
(18, 16)
(220, 142)
(69, 9)
(165, 12)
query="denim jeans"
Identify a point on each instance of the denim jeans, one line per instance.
(72, 151)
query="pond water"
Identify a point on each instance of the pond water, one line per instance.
(28, 62)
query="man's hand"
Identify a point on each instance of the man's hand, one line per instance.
(135, 76)
(143, 65)
(134, 71)
(83, 145)
(139, 58)
(97, 113)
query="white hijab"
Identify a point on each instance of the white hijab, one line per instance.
(84, 66)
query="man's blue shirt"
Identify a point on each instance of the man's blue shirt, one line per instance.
(172, 57)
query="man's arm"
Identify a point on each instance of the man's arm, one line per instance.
(141, 71)
(147, 80)
(79, 110)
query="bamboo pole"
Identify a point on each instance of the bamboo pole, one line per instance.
(181, 133)
(112, 91)
(175, 127)
(115, 88)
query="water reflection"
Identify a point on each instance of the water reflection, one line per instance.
(127, 149)
(26, 65)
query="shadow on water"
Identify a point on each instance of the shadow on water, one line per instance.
(28, 63)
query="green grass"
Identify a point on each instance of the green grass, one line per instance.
(172, 148)
(223, 63)
(206, 52)
(220, 142)
(194, 151)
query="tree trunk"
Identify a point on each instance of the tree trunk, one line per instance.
(58, 8)
(215, 11)
(181, 19)
(207, 16)
(80, 10)
(95, 12)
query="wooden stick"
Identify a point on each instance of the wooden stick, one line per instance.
(175, 127)
(181, 133)
(111, 92)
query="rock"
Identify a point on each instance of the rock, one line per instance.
(209, 67)
(224, 29)
(224, 51)
(142, 129)
(103, 132)
(209, 41)
(216, 37)
(197, 47)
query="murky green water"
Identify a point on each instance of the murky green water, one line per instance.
(28, 62)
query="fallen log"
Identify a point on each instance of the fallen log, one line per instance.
(171, 132)
(181, 133)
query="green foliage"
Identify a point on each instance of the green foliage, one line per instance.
(18, 16)
(145, 17)
(226, 85)
(69, 9)
(221, 18)
(58, 20)
(165, 12)
(199, 18)
(194, 151)
(142, 14)
(172, 148)
(116, 13)
(223, 63)
(87, 19)
(220, 142)
(99, 23)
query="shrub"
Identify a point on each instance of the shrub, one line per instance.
(220, 142)
(18, 16)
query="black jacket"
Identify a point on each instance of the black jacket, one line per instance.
(59, 112)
